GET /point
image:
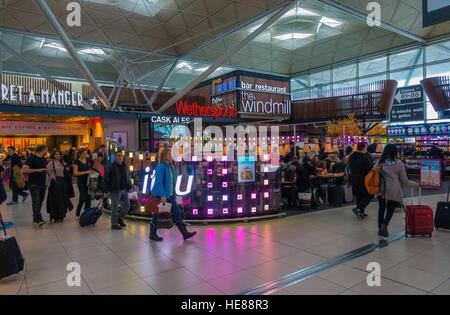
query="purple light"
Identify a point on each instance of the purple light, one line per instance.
(254, 210)
(239, 197)
(225, 198)
(195, 211)
(253, 196)
(266, 195)
(225, 211)
(225, 185)
(224, 171)
(210, 198)
(210, 172)
(240, 210)
(266, 182)
(210, 211)
(210, 185)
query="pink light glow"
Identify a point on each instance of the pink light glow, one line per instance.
(195, 211)
(266, 182)
(254, 210)
(225, 171)
(225, 184)
(266, 195)
(239, 197)
(225, 211)
(210, 211)
(225, 198)
(266, 207)
(210, 198)
(240, 210)
(253, 196)
(210, 172)
(210, 185)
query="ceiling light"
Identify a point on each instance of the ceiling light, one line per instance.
(293, 36)
(330, 22)
(184, 65)
(93, 51)
(56, 46)
(299, 11)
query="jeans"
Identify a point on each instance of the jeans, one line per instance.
(362, 196)
(116, 198)
(84, 198)
(383, 215)
(37, 197)
(176, 213)
(16, 191)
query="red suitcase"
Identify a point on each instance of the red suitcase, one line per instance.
(419, 219)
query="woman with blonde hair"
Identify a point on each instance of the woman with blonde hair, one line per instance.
(164, 188)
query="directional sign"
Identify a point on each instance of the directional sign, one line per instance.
(408, 104)
(435, 11)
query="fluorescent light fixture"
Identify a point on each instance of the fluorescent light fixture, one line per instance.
(56, 46)
(93, 51)
(330, 22)
(293, 36)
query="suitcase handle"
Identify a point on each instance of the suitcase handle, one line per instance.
(419, 196)
(3, 224)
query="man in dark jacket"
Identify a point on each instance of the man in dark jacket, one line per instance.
(16, 191)
(360, 166)
(118, 184)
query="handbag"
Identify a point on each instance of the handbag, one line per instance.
(11, 260)
(164, 216)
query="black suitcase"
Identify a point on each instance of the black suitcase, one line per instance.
(336, 195)
(11, 260)
(442, 217)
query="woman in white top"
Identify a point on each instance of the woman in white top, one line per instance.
(56, 166)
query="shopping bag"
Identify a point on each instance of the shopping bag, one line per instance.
(11, 260)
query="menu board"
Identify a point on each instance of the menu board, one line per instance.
(246, 169)
(438, 129)
(430, 173)
(417, 130)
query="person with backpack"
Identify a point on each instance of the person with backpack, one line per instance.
(360, 166)
(118, 185)
(164, 188)
(15, 170)
(393, 178)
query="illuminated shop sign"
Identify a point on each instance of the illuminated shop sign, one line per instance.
(263, 88)
(170, 120)
(227, 86)
(183, 108)
(18, 94)
(149, 182)
(270, 104)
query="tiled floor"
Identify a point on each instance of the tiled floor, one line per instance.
(225, 259)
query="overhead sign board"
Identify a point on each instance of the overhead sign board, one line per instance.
(435, 11)
(408, 104)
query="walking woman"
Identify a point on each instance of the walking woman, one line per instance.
(82, 169)
(164, 188)
(57, 200)
(394, 177)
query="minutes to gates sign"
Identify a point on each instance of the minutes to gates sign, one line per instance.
(408, 104)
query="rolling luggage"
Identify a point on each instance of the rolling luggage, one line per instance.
(336, 195)
(348, 193)
(419, 219)
(442, 218)
(11, 260)
(90, 216)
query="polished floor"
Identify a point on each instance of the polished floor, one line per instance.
(225, 259)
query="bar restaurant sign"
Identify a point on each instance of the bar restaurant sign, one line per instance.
(16, 90)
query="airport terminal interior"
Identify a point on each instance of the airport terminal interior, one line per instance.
(225, 147)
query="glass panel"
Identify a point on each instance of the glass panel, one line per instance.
(344, 88)
(321, 91)
(376, 78)
(372, 66)
(439, 51)
(406, 59)
(438, 70)
(320, 78)
(300, 83)
(408, 77)
(344, 73)
(431, 114)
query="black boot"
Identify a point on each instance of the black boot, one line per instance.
(121, 223)
(182, 227)
(384, 231)
(153, 235)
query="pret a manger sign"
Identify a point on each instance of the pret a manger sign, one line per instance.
(17, 94)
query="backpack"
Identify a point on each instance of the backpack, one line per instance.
(19, 178)
(373, 181)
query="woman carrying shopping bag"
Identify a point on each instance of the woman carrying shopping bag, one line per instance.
(164, 188)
